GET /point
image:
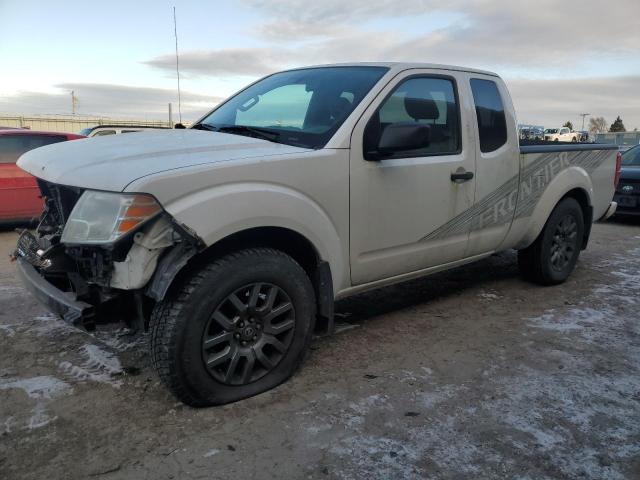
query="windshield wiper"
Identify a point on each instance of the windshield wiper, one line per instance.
(205, 126)
(263, 133)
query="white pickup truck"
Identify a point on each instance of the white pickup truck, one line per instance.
(562, 134)
(231, 240)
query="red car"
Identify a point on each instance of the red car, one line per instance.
(19, 195)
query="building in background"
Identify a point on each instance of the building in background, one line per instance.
(71, 123)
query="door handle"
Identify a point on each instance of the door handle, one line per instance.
(461, 176)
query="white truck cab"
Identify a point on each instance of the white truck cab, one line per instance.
(231, 240)
(562, 134)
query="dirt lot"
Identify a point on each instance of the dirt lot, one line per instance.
(468, 374)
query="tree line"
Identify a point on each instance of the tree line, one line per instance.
(599, 125)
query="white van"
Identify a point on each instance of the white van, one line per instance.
(101, 130)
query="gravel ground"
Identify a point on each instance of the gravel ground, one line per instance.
(471, 373)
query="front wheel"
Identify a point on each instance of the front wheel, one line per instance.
(237, 328)
(553, 256)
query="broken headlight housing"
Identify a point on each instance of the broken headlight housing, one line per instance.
(105, 217)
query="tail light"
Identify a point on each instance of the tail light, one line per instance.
(616, 179)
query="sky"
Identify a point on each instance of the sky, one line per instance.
(559, 58)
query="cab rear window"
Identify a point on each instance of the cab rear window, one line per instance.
(492, 124)
(12, 146)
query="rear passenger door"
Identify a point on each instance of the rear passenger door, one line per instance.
(497, 164)
(401, 204)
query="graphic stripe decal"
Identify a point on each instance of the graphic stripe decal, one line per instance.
(499, 206)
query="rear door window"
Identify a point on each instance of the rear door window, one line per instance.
(12, 146)
(492, 123)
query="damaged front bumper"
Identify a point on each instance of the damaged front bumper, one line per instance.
(65, 304)
(91, 284)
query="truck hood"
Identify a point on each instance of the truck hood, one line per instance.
(112, 162)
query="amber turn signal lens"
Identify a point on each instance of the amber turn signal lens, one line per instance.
(141, 208)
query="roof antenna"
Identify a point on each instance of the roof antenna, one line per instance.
(175, 32)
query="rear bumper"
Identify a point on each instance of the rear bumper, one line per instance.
(610, 211)
(57, 301)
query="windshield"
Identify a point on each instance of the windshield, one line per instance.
(551, 130)
(299, 107)
(632, 157)
(85, 131)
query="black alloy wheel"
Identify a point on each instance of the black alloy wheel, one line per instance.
(551, 258)
(248, 334)
(564, 243)
(237, 326)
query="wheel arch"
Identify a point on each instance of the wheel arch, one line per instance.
(289, 241)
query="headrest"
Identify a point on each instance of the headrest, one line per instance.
(421, 108)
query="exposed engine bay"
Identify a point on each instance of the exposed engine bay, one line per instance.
(111, 277)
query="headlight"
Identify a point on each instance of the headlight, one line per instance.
(103, 217)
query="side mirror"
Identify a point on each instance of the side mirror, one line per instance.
(400, 137)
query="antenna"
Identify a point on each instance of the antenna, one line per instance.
(74, 102)
(175, 32)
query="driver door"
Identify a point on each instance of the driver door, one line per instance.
(402, 204)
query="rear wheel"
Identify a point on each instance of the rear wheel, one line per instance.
(574, 140)
(553, 256)
(237, 328)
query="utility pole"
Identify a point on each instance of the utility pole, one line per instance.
(175, 33)
(170, 115)
(583, 115)
(74, 103)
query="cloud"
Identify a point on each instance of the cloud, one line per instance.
(551, 39)
(109, 100)
(553, 102)
(225, 62)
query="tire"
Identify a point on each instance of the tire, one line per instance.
(574, 140)
(553, 256)
(224, 316)
(556, 140)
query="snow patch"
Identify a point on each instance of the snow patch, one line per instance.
(42, 389)
(488, 296)
(48, 325)
(99, 366)
(7, 330)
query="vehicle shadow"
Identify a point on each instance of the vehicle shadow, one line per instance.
(438, 286)
(625, 220)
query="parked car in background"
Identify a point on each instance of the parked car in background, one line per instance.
(583, 136)
(563, 134)
(101, 130)
(530, 133)
(628, 192)
(19, 194)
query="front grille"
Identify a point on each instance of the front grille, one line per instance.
(59, 202)
(628, 187)
(29, 248)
